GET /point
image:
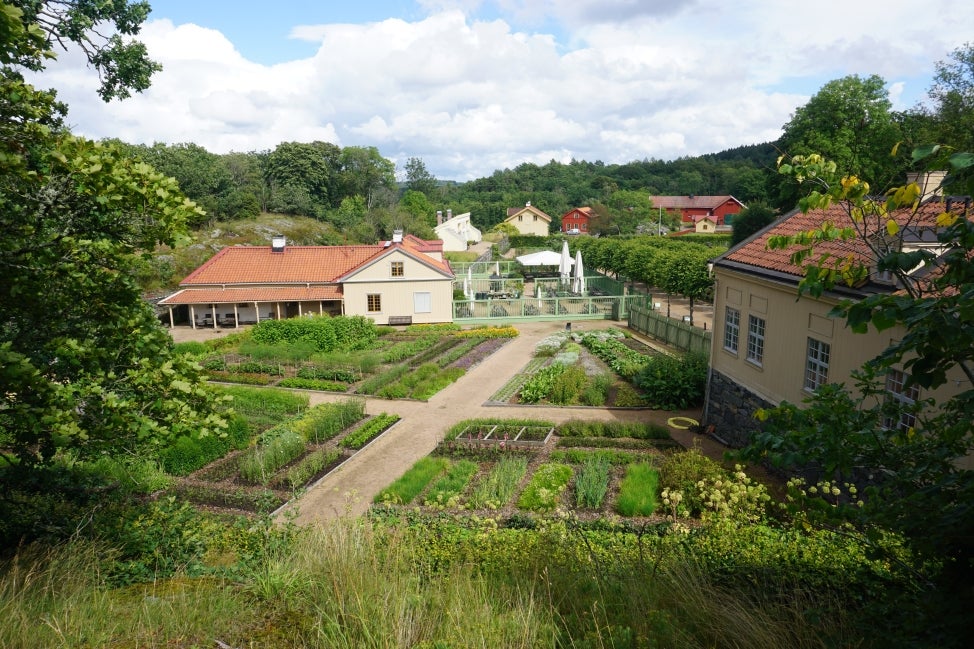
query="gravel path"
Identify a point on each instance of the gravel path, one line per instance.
(349, 489)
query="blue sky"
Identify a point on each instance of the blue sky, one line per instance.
(471, 86)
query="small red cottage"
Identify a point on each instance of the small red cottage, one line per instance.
(722, 208)
(577, 221)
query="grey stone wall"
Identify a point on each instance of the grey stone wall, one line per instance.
(730, 409)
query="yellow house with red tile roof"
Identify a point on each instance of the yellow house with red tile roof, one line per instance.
(405, 280)
(771, 346)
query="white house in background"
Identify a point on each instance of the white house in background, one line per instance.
(456, 231)
(402, 281)
(528, 220)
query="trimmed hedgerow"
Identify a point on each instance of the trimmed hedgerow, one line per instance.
(324, 332)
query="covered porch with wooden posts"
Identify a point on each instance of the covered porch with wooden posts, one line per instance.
(236, 307)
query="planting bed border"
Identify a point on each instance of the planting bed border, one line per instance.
(490, 439)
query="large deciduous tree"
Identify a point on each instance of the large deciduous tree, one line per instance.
(84, 362)
(850, 122)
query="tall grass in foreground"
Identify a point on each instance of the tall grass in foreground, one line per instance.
(637, 493)
(57, 598)
(354, 584)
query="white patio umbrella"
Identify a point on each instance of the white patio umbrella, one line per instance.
(565, 266)
(469, 283)
(466, 288)
(497, 268)
(578, 286)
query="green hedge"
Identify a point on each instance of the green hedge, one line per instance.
(324, 332)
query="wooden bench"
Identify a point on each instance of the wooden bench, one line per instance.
(400, 320)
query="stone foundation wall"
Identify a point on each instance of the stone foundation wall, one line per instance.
(730, 409)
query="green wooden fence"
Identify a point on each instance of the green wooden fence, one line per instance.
(672, 332)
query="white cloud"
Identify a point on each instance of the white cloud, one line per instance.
(626, 80)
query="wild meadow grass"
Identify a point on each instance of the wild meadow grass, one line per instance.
(638, 491)
(497, 487)
(353, 583)
(405, 488)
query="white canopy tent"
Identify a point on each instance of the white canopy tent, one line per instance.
(543, 258)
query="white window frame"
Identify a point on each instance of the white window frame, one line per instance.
(422, 302)
(897, 390)
(756, 329)
(817, 357)
(732, 329)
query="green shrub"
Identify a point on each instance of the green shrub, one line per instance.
(323, 332)
(682, 471)
(190, 348)
(545, 487)
(568, 385)
(638, 491)
(624, 361)
(413, 481)
(674, 383)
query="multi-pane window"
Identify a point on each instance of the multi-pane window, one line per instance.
(897, 390)
(373, 302)
(732, 329)
(817, 364)
(755, 339)
(398, 269)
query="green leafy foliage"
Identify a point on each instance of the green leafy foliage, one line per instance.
(325, 333)
(368, 431)
(497, 487)
(674, 382)
(540, 385)
(258, 465)
(447, 490)
(624, 361)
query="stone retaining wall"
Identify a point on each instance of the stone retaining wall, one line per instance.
(730, 409)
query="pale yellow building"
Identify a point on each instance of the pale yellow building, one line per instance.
(528, 220)
(771, 346)
(402, 281)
